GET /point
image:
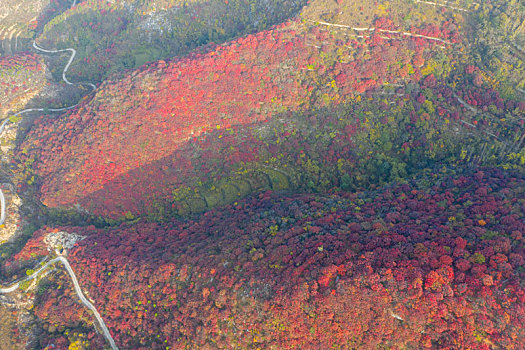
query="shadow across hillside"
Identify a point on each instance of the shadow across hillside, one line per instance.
(271, 257)
(26, 29)
(293, 152)
(110, 39)
(205, 172)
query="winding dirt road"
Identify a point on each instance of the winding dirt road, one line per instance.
(73, 54)
(78, 290)
(372, 29)
(61, 259)
(4, 123)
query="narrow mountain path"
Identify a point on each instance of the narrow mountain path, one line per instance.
(4, 123)
(13, 287)
(372, 29)
(78, 290)
(443, 5)
(66, 80)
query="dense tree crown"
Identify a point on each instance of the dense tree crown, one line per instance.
(254, 174)
(415, 266)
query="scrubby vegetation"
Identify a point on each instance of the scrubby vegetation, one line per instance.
(257, 186)
(22, 77)
(9, 333)
(249, 107)
(434, 263)
(112, 36)
(20, 20)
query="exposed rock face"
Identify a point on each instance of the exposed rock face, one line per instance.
(62, 240)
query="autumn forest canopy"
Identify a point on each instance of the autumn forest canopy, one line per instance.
(323, 174)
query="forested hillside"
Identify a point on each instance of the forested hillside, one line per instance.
(255, 174)
(112, 36)
(196, 124)
(431, 264)
(22, 77)
(21, 19)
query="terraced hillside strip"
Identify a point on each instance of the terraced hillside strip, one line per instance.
(22, 77)
(115, 36)
(19, 19)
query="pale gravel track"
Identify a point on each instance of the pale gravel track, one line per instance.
(372, 29)
(78, 290)
(73, 54)
(66, 80)
(443, 5)
(61, 259)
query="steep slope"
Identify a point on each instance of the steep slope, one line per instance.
(300, 144)
(19, 19)
(145, 124)
(23, 77)
(117, 35)
(8, 329)
(412, 266)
